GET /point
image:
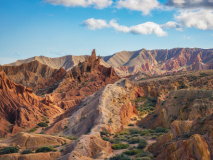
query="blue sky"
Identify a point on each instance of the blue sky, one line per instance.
(56, 28)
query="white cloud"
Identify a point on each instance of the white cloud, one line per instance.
(118, 27)
(144, 28)
(201, 19)
(190, 3)
(148, 28)
(172, 25)
(145, 6)
(94, 24)
(82, 3)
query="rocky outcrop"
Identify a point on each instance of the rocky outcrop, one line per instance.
(20, 107)
(85, 79)
(193, 148)
(107, 110)
(181, 105)
(88, 147)
(194, 141)
(35, 75)
(33, 141)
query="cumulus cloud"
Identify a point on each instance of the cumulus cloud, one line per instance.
(191, 3)
(143, 29)
(94, 24)
(201, 19)
(145, 6)
(172, 25)
(82, 3)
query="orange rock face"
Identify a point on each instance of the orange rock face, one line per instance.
(85, 79)
(19, 106)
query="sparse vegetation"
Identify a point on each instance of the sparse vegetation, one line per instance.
(27, 151)
(42, 124)
(46, 149)
(142, 144)
(32, 130)
(104, 133)
(132, 152)
(161, 130)
(120, 157)
(120, 146)
(145, 105)
(9, 150)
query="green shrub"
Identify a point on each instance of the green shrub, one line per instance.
(32, 130)
(133, 140)
(104, 133)
(120, 157)
(46, 149)
(26, 151)
(56, 146)
(130, 124)
(120, 146)
(161, 130)
(134, 131)
(117, 140)
(9, 150)
(72, 138)
(142, 144)
(106, 138)
(43, 124)
(143, 154)
(132, 152)
(154, 137)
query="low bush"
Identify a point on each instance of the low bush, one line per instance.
(27, 151)
(130, 124)
(72, 138)
(161, 130)
(32, 130)
(134, 131)
(142, 144)
(43, 124)
(132, 152)
(142, 153)
(120, 146)
(46, 149)
(133, 140)
(9, 150)
(104, 133)
(120, 157)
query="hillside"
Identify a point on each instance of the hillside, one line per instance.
(41, 78)
(20, 108)
(161, 61)
(66, 62)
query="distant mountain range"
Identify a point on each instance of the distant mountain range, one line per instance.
(131, 62)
